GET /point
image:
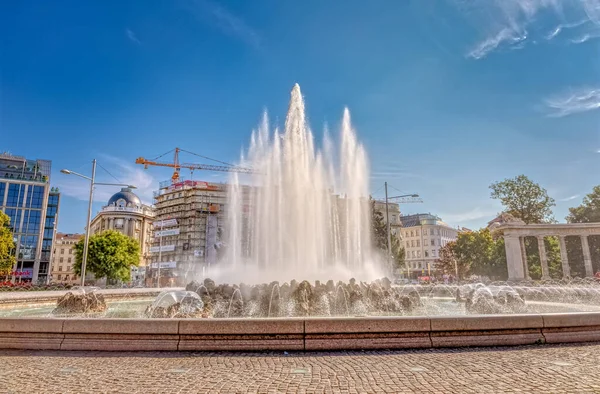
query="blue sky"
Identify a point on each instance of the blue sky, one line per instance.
(447, 96)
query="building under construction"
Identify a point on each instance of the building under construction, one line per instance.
(190, 216)
(187, 230)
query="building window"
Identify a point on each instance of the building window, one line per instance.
(412, 243)
(60, 268)
(413, 254)
(426, 254)
(412, 233)
(433, 242)
(418, 243)
(62, 251)
(418, 253)
(433, 253)
(417, 232)
(69, 260)
(59, 277)
(430, 231)
(70, 251)
(60, 260)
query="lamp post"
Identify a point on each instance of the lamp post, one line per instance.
(388, 232)
(89, 213)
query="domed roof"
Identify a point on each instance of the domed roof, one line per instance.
(125, 198)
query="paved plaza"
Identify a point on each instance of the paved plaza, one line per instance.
(549, 369)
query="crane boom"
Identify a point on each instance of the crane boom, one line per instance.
(192, 166)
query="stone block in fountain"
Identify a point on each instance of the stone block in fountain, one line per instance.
(80, 303)
(177, 304)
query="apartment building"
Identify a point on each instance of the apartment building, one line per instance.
(423, 235)
(63, 259)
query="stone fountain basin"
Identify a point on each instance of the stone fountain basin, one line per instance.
(297, 334)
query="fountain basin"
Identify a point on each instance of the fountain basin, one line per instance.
(297, 334)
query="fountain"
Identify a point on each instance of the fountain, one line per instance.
(300, 272)
(289, 223)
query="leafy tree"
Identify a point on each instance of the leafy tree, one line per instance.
(448, 262)
(379, 232)
(524, 199)
(475, 253)
(378, 228)
(110, 254)
(588, 211)
(7, 245)
(552, 256)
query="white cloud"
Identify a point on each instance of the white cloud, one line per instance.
(505, 23)
(505, 36)
(132, 37)
(574, 101)
(125, 173)
(226, 21)
(570, 198)
(476, 213)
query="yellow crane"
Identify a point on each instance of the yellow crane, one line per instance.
(178, 166)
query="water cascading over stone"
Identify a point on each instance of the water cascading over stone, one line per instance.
(286, 221)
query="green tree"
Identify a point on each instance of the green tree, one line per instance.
(110, 255)
(449, 263)
(379, 233)
(552, 256)
(588, 212)
(378, 228)
(524, 199)
(7, 245)
(475, 253)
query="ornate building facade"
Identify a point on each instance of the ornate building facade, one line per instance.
(125, 213)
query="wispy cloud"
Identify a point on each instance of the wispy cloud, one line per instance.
(226, 21)
(573, 101)
(510, 24)
(131, 36)
(474, 214)
(505, 36)
(573, 197)
(124, 172)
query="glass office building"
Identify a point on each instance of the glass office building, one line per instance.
(32, 205)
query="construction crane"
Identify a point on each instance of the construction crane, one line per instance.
(178, 166)
(407, 199)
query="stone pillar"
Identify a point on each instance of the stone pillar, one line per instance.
(587, 258)
(543, 258)
(514, 258)
(564, 257)
(524, 258)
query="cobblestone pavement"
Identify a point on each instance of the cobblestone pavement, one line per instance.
(549, 369)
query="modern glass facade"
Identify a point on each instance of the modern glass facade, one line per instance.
(26, 197)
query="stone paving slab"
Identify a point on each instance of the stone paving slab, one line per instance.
(526, 369)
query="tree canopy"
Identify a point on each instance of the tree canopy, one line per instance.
(110, 255)
(7, 245)
(588, 211)
(475, 253)
(524, 199)
(379, 233)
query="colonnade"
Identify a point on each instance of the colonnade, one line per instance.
(516, 254)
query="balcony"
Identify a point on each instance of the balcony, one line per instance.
(141, 211)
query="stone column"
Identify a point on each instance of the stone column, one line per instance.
(543, 258)
(524, 258)
(587, 258)
(564, 257)
(514, 258)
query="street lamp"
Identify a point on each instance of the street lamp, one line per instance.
(89, 213)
